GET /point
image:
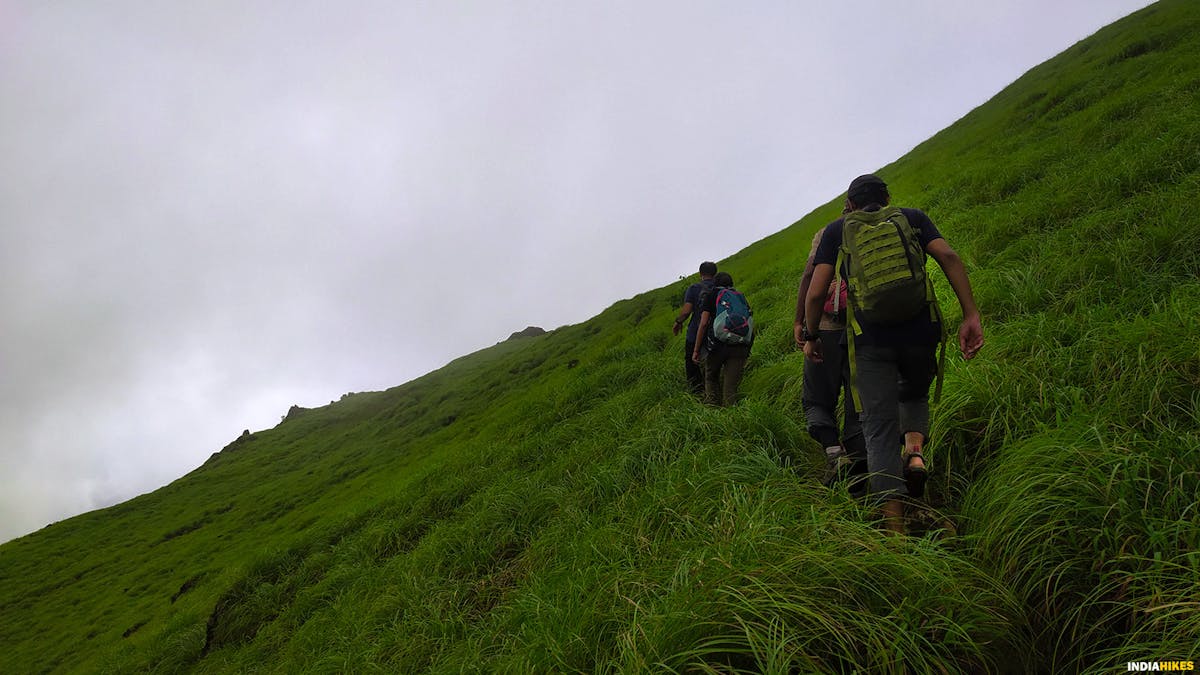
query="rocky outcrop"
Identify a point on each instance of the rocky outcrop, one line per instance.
(531, 331)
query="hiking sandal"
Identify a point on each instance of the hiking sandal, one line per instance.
(914, 476)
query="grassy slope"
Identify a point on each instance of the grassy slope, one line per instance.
(555, 503)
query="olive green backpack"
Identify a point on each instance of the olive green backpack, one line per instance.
(885, 271)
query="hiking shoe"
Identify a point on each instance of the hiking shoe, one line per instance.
(837, 463)
(914, 476)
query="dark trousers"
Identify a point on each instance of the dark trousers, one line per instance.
(723, 368)
(893, 385)
(824, 384)
(695, 374)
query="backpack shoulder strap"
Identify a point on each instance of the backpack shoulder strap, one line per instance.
(935, 315)
(853, 328)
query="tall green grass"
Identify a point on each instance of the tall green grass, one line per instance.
(559, 504)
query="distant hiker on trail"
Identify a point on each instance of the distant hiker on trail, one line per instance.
(825, 381)
(726, 334)
(893, 329)
(691, 307)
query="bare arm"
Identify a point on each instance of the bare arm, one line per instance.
(947, 258)
(705, 320)
(814, 300)
(802, 299)
(684, 313)
(970, 334)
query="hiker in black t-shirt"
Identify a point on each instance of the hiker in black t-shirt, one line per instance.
(691, 307)
(725, 336)
(895, 363)
(824, 383)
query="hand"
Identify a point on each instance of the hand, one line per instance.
(812, 351)
(798, 331)
(970, 336)
(676, 327)
(696, 357)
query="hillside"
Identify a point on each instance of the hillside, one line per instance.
(557, 503)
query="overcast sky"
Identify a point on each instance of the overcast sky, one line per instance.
(212, 210)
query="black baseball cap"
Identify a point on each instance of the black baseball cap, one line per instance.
(865, 184)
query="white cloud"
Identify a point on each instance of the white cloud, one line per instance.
(211, 212)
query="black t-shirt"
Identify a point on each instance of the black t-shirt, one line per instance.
(708, 300)
(693, 294)
(920, 328)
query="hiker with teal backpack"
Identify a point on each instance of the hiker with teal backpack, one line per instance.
(893, 330)
(727, 332)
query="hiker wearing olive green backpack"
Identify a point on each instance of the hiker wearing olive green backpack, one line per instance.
(893, 330)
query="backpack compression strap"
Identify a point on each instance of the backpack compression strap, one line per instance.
(852, 329)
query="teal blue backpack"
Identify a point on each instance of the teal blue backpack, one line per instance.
(734, 322)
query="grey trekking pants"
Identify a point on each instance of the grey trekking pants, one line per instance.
(893, 385)
(823, 384)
